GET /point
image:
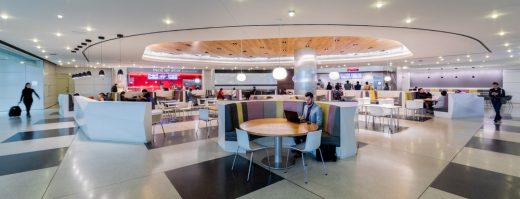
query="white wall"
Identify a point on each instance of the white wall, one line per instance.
(89, 86)
(230, 80)
(14, 75)
(511, 83)
(403, 80)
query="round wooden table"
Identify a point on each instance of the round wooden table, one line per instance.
(277, 128)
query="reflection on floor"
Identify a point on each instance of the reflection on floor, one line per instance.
(435, 158)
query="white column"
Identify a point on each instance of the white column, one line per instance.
(304, 71)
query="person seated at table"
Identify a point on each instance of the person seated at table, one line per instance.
(101, 97)
(122, 96)
(220, 94)
(441, 101)
(427, 97)
(312, 113)
(189, 95)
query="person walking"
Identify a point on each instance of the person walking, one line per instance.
(497, 95)
(27, 99)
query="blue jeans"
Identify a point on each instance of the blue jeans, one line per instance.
(497, 105)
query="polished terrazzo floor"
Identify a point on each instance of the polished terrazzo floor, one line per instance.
(48, 157)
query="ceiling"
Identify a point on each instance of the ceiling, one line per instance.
(439, 33)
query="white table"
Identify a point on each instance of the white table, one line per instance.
(384, 106)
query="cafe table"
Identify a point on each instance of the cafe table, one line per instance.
(277, 128)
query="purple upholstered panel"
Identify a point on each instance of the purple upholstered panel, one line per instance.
(255, 110)
(290, 106)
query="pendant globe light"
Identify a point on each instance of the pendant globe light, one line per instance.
(241, 76)
(387, 78)
(334, 75)
(279, 73)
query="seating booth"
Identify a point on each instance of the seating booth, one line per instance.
(461, 105)
(338, 121)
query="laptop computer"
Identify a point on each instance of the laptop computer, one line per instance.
(292, 116)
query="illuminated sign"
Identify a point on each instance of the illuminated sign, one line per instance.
(162, 76)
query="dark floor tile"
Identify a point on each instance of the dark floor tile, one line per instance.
(55, 120)
(30, 135)
(508, 128)
(179, 137)
(214, 179)
(22, 162)
(472, 182)
(499, 146)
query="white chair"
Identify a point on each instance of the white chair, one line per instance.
(414, 105)
(186, 107)
(202, 103)
(166, 110)
(378, 112)
(156, 119)
(244, 143)
(312, 143)
(204, 116)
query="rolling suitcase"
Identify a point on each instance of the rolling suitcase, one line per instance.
(15, 111)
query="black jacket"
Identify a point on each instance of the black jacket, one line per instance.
(501, 93)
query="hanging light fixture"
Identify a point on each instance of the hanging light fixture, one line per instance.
(388, 78)
(120, 72)
(279, 73)
(101, 73)
(241, 76)
(334, 75)
(88, 74)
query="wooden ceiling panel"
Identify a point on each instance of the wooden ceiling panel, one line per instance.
(275, 47)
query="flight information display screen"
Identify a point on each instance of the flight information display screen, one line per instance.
(162, 76)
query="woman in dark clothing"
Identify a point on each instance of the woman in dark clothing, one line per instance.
(27, 98)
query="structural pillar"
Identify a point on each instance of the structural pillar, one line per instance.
(304, 71)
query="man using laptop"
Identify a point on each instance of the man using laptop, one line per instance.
(311, 113)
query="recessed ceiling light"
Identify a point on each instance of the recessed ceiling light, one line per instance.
(506, 44)
(22, 62)
(511, 56)
(59, 16)
(38, 47)
(502, 33)
(4, 16)
(495, 15)
(88, 29)
(43, 51)
(408, 20)
(405, 67)
(58, 34)
(509, 50)
(167, 21)
(458, 59)
(470, 60)
(379, 4)
(68, 48)
(291, 13)
(35, 40)
(468, 56)
(487, 56)
(46, 56)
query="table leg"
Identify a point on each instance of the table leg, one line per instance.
(398, 118)
(366, 116)
(278, 159)
(391, 126)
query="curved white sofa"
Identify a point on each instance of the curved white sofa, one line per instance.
(114, 120)
(462, 105)
(63, 102)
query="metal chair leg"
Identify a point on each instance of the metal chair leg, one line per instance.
(164, 132)
(233, 166)
(304, 168)
(250, 164)
(207, 129)
(153, 133)
(197, 129)
(323, 162)
(287, 160)
(268, 160)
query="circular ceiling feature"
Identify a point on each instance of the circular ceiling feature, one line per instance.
(279, 73)
(329, 49)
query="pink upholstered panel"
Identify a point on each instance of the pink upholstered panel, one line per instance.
(255, 110)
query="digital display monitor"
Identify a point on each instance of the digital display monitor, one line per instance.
(162, 76)
(351, 75)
